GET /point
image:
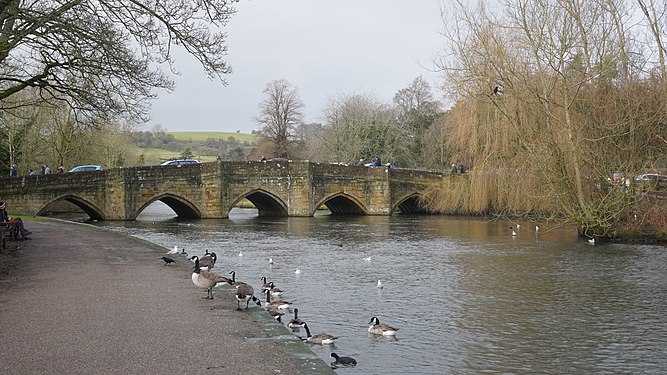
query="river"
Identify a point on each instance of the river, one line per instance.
(466, 295)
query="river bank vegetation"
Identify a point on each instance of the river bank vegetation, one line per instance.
(554, 108)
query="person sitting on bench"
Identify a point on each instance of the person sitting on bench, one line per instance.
(18, 223)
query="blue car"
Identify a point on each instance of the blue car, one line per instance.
(86, 168)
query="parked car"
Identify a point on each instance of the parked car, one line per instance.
(86, 168)
(651, 177)
(180, 162)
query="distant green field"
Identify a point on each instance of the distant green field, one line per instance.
(202, 136)
(164, 155)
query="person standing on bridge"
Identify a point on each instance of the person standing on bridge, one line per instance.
(18, 223)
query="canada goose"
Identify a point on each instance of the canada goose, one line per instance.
(277, 314)
(296, 322)
(206, 279)
(320, 338)
(245, 292)
(233, 281)
(167, 260)
(380, 285)
(275, 291)
(208, 261)
(174, 250)
(265, 285)
(345, 361)
(381, 329)
(280, 304)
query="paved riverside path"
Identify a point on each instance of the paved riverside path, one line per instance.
(86, 300)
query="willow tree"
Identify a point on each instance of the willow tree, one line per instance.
(548, 100)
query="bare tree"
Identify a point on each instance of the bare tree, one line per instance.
(548, 100)
(360, 127)
(102, 57)
(279, 115)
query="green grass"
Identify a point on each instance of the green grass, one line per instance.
(164, 155)
(202, 136)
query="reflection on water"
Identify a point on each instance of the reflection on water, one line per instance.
(467, 297)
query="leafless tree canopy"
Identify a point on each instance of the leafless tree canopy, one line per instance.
(554, 97)
(280, 113)
(104, 58)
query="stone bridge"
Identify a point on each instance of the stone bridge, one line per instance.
(211, 190)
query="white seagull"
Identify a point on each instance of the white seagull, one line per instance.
(380, 285)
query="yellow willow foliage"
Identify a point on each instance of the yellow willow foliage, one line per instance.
(480, 193)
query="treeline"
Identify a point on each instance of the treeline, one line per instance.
(558, 107)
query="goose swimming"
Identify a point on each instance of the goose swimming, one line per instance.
(378, 328)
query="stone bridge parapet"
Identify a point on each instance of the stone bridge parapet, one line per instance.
(211, 190)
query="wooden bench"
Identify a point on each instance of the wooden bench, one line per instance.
(5, 234)
(8, 231)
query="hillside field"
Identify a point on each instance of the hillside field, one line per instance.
(202, 136)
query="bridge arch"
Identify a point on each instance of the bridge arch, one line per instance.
(343, 204)
(409, 205)
(86, 206)
(267, 204)
(183, 208)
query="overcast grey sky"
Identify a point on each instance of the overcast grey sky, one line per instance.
(324, 48)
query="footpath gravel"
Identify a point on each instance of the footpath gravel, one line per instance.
(85, 300)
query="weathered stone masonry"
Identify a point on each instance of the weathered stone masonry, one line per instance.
(210, 190)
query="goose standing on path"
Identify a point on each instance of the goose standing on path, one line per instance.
(245, 292)
(235, 283)
(320, 338)
(206, 279)
(377, 328)
(208, 261)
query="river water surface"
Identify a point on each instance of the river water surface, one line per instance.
(466, 295)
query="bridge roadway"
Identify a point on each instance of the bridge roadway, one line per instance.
(211, 190)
